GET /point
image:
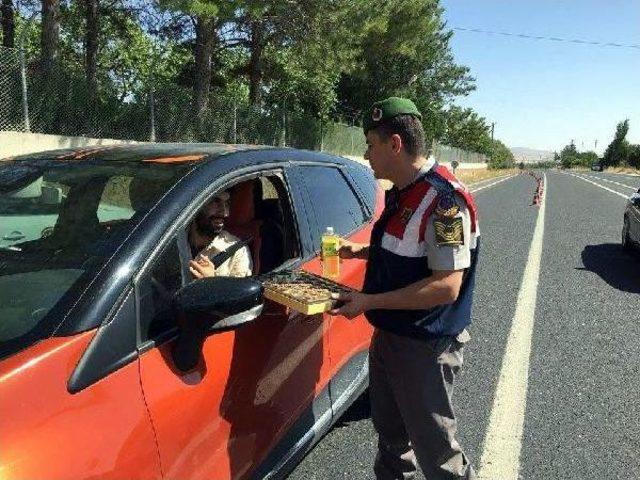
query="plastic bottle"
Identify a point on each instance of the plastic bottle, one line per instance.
(330, 256)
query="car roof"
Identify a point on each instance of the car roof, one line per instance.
(161, 153)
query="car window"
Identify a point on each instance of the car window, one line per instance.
(156, 290)
(366, 184)
(334, 201)
(60, 223)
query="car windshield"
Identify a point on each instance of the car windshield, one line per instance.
(60, 221)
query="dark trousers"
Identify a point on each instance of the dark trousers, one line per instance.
(410, 386)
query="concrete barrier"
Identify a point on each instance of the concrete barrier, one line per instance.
(19, 143)
(461, 166)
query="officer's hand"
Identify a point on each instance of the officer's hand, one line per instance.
(349, 249)
(351, 304)
(202, 267)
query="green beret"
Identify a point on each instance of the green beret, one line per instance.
(389, 108)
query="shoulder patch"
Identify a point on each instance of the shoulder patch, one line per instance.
(447, 206)
(405, 216)
(449, 231)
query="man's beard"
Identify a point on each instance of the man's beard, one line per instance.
(206, 228)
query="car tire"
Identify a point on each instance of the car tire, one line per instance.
(627, 244)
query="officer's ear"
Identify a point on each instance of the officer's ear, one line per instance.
(396, 143)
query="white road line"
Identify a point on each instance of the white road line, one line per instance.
(611, 181)
(500, 458)
(598, 185)
(492, 184)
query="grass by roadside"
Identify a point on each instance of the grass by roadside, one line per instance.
(626, 170)
(470, 176)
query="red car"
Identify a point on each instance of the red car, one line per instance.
(115, 364)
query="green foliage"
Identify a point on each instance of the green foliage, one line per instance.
(633, 158)
(570, 157)
(542, 165)
(405, 51)
(203, 8)
(500, 156)
(467, 130)
(618, 150)
(315, 63)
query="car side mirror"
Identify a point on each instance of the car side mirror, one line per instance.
(212, 305)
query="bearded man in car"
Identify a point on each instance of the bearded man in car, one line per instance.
(208, 238)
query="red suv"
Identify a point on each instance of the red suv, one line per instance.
(115, 364)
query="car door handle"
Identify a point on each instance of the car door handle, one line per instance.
(13, 236)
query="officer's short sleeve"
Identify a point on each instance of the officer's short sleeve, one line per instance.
(446, 257)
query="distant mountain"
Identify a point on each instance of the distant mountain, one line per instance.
(531, 155)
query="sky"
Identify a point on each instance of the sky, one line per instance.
(542, 94)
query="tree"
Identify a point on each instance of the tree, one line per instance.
(405, 51)
(50, 35)
(568, 155)
(206, 19)
(8, 24)
(467, 130)
(501, 156)
(618, 150)
(287, 45)
(634, 156)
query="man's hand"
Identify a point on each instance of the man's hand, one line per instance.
(202, 267)
(353, 304)
(350, 250)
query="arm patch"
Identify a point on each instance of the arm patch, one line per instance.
(449, 231)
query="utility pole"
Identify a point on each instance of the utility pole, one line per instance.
(493, 125)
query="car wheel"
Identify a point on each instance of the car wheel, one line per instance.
(626, 237)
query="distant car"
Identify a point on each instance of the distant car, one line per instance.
(115, 364)
(631, 225)
(597, 166)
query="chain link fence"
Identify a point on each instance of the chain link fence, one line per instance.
(12, 116)
(60, 103)
(447, 154)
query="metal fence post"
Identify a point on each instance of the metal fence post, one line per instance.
(152, 113)
(23, 75)
(152, 96)
(284, 124)
(351, 132)
(235, 123)
(25, 101)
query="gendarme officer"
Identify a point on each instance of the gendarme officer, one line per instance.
(418, 289)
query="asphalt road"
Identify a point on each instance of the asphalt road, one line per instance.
(582, 410)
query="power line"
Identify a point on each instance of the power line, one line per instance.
(552, 39)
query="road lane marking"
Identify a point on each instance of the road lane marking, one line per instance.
(610, 181)
(599, 186)
(492, 184)
(500, 458)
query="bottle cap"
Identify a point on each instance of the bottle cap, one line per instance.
(330, 230)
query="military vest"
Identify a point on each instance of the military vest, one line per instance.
(397, 256)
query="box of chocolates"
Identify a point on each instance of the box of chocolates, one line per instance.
(302, 291)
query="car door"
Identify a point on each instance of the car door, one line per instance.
(634, 223)
(256, 390)
(333, 201)
(72, 407)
